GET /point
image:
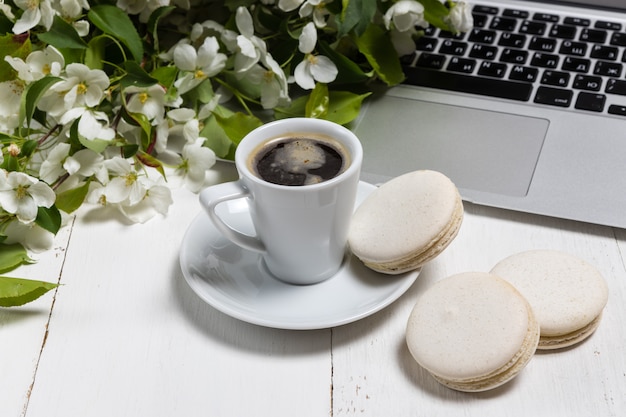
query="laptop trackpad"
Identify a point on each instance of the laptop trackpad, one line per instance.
(479, 150)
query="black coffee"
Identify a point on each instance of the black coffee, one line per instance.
(302, 160)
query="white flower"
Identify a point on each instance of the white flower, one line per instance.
(33, 237)
(6, 9)
(22, 195)
(38, 64)
(149, 101)
(405, 15)
(318, 9)
(82, 87)
(314, 67)
(124, 187)
(11, 93)
(84, 163)
(197, 159)
(52, 168)
(289, 5)
(270, 82)
(460, 18)
(250, 48)
(35, 12)
(92, 124)
(197, 66)
(157, 200)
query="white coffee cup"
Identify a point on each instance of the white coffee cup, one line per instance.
(302, 230)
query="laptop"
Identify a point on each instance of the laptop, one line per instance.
(527, 112)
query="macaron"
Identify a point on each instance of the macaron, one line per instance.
(472, 331)
(406, 222)
(567, 294)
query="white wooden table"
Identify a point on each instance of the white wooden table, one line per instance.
(125, 335)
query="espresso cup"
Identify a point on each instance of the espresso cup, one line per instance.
(300, 214)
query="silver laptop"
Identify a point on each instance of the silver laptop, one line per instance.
(519, 117)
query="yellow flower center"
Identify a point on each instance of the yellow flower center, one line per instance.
(143, 97)
(131, 177)
(268, 76)
(312, 59)
(199, 74)
(46, 69)
(20, 192)
(81, 88)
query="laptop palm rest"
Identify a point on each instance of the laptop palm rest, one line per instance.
(479, 150)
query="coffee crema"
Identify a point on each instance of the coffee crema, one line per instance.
(299, 159)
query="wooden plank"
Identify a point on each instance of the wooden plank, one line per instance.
(374, 374)
(23, 329)
(128, 337)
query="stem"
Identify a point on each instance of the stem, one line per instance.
(47, 135)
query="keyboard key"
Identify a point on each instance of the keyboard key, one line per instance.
(514, 40)
(514, 56)
(563, 31)
(590, 101)
(555, 78)
(482, 36)
(492, 87)
(485, 9)
(576, 64)
(480, 20)
(483, 51)
(433, 61)
(444, 34)
(538, 43)
(520, 14)
(492, 69)
(573, 48)
(614, 86)
(546, 17)
(610, 69)
(576, 21)
(617, 109)
(426, 44)
(465, 65)
(507, 24)
(601, 24)
(554, 96)
(453, 47)
(587, 82)
(521, 73)
(608, 53)
(618, 39)
(593, 35)
(545, 60)
(532, 28)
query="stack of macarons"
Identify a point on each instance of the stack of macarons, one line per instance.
(406, 222)
(476, 331)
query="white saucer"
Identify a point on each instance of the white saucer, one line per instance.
(235, 281)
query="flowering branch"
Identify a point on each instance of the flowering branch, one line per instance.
(112, 102)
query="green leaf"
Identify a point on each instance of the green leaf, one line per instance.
(115, 22)
(376, 45)
(19, 291)
(356, 15)
(71, 200)
(136, 76)
(95, 53)
(49, 218)
(296, 108)
(216, 138)
(150, 161)
(349, 71)
(96, 145)
(436, 13)
(317, 104)
(153, 23)
(344, 106)
(12, 45)
(62, 35)
(165, 75)
(12, 256)
(29, 147)
(238, 125)
(33, 93)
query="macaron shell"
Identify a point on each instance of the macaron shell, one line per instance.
(406, 221)
(566, 293)
(472, 331)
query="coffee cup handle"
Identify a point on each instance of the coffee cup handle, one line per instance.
(212, 196)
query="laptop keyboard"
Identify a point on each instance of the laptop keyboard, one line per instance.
(564, 61)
